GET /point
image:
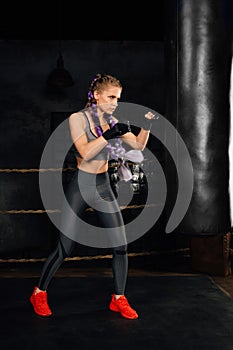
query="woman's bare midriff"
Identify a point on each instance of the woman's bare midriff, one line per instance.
(92, 166)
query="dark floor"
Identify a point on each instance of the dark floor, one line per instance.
(185, 312)
(179, 309)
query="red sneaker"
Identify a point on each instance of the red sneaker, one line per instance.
(39, 303)
(121, 305)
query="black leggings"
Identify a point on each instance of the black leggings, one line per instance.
(97, 191)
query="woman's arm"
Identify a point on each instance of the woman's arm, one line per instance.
(137, 142)
(87, 149)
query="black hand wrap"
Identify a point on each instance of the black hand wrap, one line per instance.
(135, 129)
(147, 124)
(117, 130)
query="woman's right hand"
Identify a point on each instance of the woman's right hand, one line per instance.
(117, 130)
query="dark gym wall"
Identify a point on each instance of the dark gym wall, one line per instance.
(26, 106)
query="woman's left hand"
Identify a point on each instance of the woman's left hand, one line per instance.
(147, 123)
(149, 115)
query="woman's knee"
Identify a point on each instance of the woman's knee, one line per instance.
(121, 250)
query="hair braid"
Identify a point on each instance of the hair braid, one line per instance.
(99, 83)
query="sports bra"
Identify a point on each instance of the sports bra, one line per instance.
(103, 154)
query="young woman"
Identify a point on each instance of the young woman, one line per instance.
(93, 131)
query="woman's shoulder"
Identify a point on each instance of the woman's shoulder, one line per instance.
(77, 115)
(78, 119)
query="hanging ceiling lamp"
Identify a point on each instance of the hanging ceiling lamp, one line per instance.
(60, 77)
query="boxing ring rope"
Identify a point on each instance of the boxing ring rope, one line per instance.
(41, 211)
(97, 257)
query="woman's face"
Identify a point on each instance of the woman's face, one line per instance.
(108, 98)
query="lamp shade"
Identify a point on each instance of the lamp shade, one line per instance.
(60, 77)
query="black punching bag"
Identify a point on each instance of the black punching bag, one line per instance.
(198, 38)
